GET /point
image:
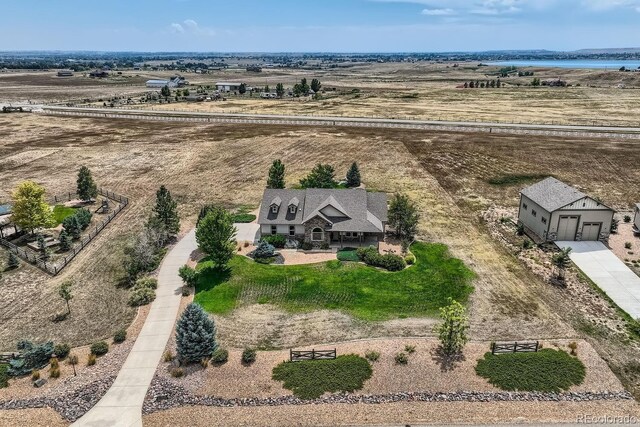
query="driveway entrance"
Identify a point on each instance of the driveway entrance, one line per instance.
(608, 272)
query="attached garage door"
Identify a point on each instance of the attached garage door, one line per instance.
(567, 227)
(591, 231)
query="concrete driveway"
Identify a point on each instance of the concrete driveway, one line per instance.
(247, 232)
(608, 272)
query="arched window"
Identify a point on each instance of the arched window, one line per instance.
(317, 235)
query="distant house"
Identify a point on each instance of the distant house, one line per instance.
(65, 73)
(228, 86)
(636, 219)
(173, 82)
(555, 211)
(350, 217)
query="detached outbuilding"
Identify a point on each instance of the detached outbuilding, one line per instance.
(554, 211)
(636, 220)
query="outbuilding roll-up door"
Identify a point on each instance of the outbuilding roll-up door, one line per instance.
(591, 231)
(567, 227)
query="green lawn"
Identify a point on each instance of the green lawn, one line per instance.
(243, 217)
(365, 292)
(60, 212)
(310, 379)
(547, 370)
(4, 377)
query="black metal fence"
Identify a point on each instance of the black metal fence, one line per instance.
(54, 268)
(6, 357)
(298, 355)
(514, 347)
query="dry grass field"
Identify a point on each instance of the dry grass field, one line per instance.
(444, 173)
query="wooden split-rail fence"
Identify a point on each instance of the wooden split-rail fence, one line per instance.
(54, 268)
(515, 347)
(298, 355)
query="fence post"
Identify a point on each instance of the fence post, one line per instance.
(291, 355)
(515, 346)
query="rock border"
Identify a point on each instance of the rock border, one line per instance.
(164, 394)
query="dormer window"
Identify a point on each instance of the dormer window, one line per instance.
(293, 209)
(274, 208)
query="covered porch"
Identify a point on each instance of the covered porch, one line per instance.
(348, 239)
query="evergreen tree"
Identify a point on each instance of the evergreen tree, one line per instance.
(13, 261)
(30, 209)
(267, 89)
(166, 211)
(72, 226)
(316, 85)
(276, 175)
(321, 176)
(353, 176)
(304, 86)
(280, 90)
(65, 240)
(87, 188)
(215, 235)
(195, 335)
(453, 330)
(242, 89)
(562, 261)
(165, 91)
(403, 217)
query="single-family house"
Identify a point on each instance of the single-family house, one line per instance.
(554, 211)
(636, 219)
(228, 86)
(337, 217)
(65, 73)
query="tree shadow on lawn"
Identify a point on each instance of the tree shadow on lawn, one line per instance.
(211, 276)
(446, 362)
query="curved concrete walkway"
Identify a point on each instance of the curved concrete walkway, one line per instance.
(122, 404)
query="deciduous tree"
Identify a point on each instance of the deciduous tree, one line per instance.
(403, 217)
(276, 175)
(30, 210)
(65, 293)
(215, 235)
(321, 176)
(316, 85)
(87, 188)
(280, 90)
(453, 329)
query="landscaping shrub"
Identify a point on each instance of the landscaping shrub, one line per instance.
(188, 275)
(627, 245)
(401, 358)
(204, 363)
(53, 362)
(84, 218)
(35, 375)
(348, 255)
(410, 349)
(168, 356)
(243, 218)
(324, 246)
(306, 246)
(220, 356)
(32, 356)
(627, 218)
(391, 262)
(91, 359)
(573, 346)
(527, 244)
(99, 348)
(248, 355)
(141, 296)
(120, 336)
(310, 379)
(4, 376)
(177, 372)
(545, 371)
(277, 240)
(61, 350)
(12, 261)
(146, 282)
(410, 259)
(264, 250)
(54, 373)
(372, 356)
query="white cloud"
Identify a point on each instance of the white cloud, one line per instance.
(190, 26)
(438, 12)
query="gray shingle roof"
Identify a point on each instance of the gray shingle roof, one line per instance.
(552, 194)
(365, 212)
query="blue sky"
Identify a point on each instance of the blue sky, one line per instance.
(322, 25)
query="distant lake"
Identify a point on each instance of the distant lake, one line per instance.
(571, 63)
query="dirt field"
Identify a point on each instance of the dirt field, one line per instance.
(228, 164)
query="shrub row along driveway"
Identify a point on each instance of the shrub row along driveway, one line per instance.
(362, 291)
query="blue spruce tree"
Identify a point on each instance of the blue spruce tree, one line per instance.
(195, 335)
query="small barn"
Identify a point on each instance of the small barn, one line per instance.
(228, 86)
(551, 210)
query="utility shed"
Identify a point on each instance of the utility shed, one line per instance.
(552, 210)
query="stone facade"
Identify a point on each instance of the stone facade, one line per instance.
(317, 222)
